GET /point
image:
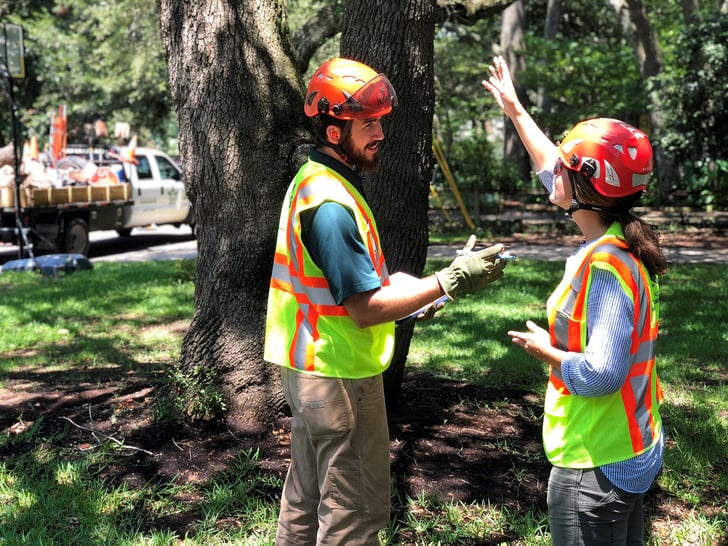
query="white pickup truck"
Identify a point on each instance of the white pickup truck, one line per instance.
(61, 218)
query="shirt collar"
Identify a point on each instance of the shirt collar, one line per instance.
(338, 166)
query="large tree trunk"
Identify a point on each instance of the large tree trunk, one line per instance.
(239, 103)
(512, 43)
(397, 38)
(648, 56)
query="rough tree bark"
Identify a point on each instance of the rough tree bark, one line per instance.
(239, 101)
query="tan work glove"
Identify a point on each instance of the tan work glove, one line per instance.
(472, 271)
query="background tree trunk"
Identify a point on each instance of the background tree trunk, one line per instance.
(512, 43)
(397, 38)
(550, 28)
(648, 56)
(238, 98)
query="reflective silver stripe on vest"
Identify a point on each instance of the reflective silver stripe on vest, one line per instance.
(303, 338)
(639, 385)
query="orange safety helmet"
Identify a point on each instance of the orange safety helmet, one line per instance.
(615, 156)
(346, 89)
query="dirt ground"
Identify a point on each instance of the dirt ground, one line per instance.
(448, 448)
(440, 445)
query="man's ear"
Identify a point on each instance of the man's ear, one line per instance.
(333, 133)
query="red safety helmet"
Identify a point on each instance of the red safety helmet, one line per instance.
(346, 89)
(614, 156)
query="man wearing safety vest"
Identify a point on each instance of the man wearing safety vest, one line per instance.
(331, 312)
(602, 429)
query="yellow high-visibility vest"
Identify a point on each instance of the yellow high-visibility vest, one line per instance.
(588, 432)
(305, 328)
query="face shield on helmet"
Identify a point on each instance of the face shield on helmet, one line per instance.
(374, 99)
(347, 89)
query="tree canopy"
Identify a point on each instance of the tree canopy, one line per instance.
(106, 61)
(102, 60)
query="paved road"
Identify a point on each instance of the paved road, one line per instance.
(152, 243)
(554, 253)
(170, 243)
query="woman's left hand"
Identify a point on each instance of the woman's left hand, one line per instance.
(537, 343)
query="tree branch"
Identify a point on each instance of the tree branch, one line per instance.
(315, 32)
(95, 432)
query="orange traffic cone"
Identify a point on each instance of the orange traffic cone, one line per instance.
(129, 153)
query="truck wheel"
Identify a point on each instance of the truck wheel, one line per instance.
(75, 237)
(125, 232)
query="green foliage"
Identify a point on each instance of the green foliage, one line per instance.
(591, 77)
(588, 70)
(103, 61)
(190, 394)
(479, 173)
(694, 97)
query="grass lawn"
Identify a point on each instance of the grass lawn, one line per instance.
(121, 325)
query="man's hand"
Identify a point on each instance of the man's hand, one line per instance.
(472, 271)
(429, 312)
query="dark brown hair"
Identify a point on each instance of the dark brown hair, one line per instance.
(641, 238)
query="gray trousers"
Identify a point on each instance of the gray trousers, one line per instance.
(586, 509)
(337, 490)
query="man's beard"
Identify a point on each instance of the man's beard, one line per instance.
(358, 157)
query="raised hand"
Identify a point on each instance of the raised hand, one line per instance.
(500, 85)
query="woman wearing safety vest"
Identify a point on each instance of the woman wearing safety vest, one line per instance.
(602, 430)
(331, 311)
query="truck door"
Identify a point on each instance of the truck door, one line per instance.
(158, 192)
(147, 193)
(175, 199)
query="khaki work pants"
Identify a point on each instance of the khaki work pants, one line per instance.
(337, 490)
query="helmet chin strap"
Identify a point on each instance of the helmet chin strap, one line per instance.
(339, 148)
(576, 205)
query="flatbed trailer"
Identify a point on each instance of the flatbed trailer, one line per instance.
(61, 218)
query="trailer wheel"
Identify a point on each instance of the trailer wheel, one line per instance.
(75, 237)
